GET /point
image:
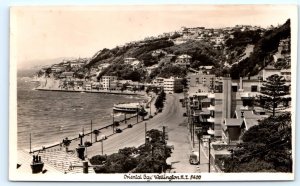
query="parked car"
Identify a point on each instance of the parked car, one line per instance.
(184, 115)
(194, 158)
(118, 130)
(129, 126)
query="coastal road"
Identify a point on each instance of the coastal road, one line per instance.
(172, 117)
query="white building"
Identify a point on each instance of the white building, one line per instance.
(108, 82)
(268, 71)
(173, 85)
(183, 60)
(129, 60)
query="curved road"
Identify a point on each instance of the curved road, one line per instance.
(172, 117)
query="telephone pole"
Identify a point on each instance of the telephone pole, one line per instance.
(30, 143)
(199, 140)
(91, 131)
(209, 155)
(137, 114)
(113, 120)
(145, 132)
(102, 146)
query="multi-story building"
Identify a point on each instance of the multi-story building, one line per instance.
(108, 82)
(173, 85)
(158, 81)
(201, 82)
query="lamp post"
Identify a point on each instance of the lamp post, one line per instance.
(137, 114)
(211, 133)
(103, 137)
(145, 132)
(199, 142)
(113, 120)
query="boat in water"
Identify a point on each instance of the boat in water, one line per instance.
(129, 108)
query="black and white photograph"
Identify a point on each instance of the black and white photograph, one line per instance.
(152, 92)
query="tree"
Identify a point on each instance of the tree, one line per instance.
(266, 147)
(273, 92)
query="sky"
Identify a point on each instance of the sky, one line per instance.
(40, 35)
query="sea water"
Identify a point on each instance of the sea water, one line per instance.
(50, 116)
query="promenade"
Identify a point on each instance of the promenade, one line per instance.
(171, 117)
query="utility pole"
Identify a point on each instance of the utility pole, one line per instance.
(137, 114)
(102, 146)
(145, 132)
(152, 156)
(199, 139)
(150, 105)
(193, 124)
(91, 131)
(30, 143)
(113, 125)
(209, 155)
(125, 118)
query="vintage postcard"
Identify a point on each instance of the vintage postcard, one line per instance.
(152, 92)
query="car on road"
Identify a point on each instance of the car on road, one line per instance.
(118, 130)
(194, 160)
(129, 126)
(184, 115)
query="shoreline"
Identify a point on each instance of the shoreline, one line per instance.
(93, 91)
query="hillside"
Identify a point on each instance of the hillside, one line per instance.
(202, 54)
(262, 53)
(238, 52)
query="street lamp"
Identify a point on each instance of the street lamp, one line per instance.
(211, 135)
(199, 140)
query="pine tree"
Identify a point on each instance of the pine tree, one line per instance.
(273, 92)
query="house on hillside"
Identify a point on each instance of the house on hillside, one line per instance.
(67, 75)
(57, 68)
(158, 52)
(136, 64)
(206, 69)
(151, 68)
(129, 60)
(183, 60)
(103, 66)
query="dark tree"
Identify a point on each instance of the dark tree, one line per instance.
(266, 147)
(273, 92)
